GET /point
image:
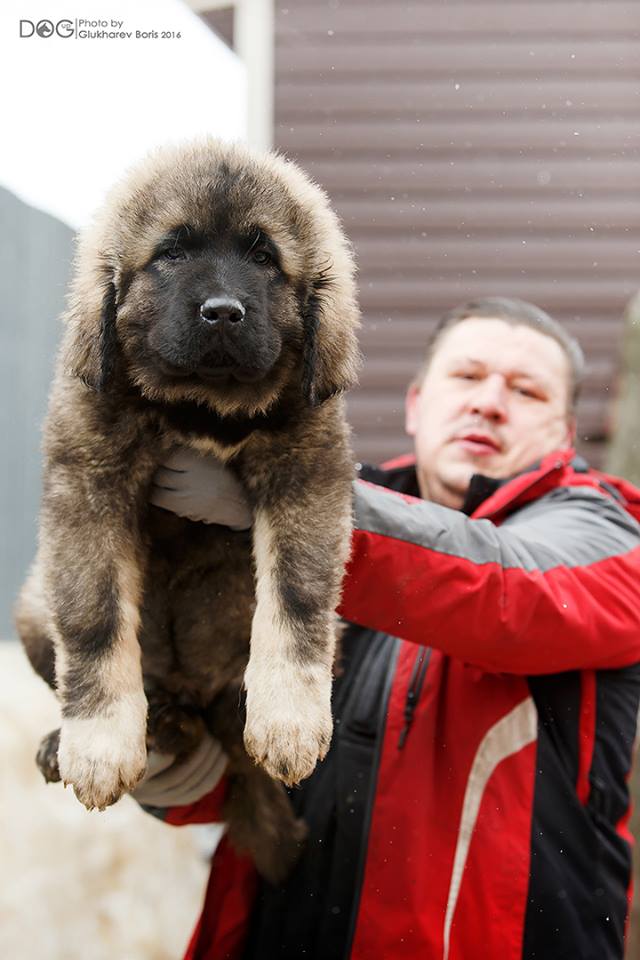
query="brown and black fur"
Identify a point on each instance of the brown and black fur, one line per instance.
(144, 368)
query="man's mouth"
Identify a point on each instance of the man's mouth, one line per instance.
(479, 444)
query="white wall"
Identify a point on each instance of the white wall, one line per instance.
(76, 112)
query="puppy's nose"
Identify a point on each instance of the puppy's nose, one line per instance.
(222, 309)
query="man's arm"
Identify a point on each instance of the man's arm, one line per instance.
(556, 587)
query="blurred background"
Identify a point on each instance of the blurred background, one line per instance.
(472, 148)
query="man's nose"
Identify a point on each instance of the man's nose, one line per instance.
(218, 310)
(489, 399)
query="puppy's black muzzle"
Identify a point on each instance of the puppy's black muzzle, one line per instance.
(218, 343)
(222, 310)
(221, 342)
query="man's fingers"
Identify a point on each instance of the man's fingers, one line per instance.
(181, 460)
(168, 479)
(177, 784)
(157, 762)
(201, 489)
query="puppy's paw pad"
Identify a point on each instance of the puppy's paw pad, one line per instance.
(98, 782)
(287, 750)
(99, 765)
(289, 725)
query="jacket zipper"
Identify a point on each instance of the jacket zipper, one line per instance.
(416, 682)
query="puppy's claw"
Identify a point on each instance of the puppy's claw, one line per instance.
(285, 749)
(289, 725)
(99, 762)
(100, 786)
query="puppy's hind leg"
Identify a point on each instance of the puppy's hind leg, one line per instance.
(172, 726)
(47, 757)
(261, 822)
(33, 623)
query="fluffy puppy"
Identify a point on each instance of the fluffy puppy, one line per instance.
(213, 306)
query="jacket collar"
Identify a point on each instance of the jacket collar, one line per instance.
(486, 496)
(530, 484)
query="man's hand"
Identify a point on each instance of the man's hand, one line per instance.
(201, 489)
(170, 784)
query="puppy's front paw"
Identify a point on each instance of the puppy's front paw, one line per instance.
(289, 724)
(103, 757)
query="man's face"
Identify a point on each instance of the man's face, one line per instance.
(494, 400)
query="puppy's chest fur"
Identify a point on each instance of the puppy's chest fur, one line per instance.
(197, 606)
(198, 594)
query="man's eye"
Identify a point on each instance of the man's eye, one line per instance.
(465, 375)
(526, 392)
(262, 257)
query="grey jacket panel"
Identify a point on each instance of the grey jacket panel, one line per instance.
(570, 527)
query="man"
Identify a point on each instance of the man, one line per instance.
(474, 804)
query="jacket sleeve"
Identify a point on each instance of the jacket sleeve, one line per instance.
(556, 587)
(207, 809)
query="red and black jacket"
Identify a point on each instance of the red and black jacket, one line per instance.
(474, 803)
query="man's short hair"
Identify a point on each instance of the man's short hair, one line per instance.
(517, 313)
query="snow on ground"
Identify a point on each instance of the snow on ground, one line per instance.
(74, 885)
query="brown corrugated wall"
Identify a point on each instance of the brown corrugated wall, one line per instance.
(472, 149)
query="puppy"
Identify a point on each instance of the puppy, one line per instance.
(212, 307)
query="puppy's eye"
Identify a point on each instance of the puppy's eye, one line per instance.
(173, 253)
(263, 257)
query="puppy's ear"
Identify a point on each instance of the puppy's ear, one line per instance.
(330, 356)
(91, 343)
(310, 323)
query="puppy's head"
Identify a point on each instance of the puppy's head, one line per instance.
(217, 275)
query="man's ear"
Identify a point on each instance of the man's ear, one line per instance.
(572, 430)
(411, 403)
(330, 353)
(91, 344)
